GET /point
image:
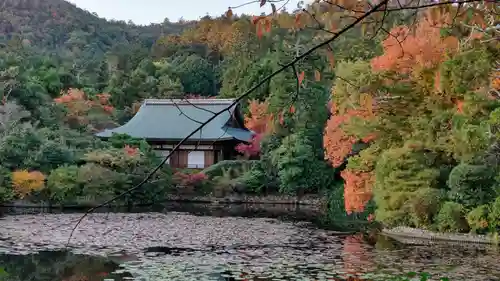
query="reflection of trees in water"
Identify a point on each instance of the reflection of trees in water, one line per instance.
(355, 256)
(56, 266)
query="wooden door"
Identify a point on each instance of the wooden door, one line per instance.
(183, 159)
(174, 160)
(209, 158)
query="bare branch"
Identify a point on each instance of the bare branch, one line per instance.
(236, 101)
(257, 1)
(182, 113)
(376, 8)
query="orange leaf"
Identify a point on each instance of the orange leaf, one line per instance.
(255, 19)
(263, 2)
(268, 26)
(317, 75)
(301, 77)
(297, 19)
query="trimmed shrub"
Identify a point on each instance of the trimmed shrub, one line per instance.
(425, 205)
(472, 185)
(494, 215)
(232, 165)
(451, 218)
(62, 184)
(478, 219)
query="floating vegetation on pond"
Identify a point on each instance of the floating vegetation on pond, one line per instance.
(158, 247)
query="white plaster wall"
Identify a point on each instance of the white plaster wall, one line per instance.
(196, 159)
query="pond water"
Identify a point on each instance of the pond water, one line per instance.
(213, 244)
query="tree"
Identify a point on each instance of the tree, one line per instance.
(86, 112)
(24, 182)
(196, 74)
(406, 51)
(260, 122)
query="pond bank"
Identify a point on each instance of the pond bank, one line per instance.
(408, 235)
(312, 200)
(308, 200)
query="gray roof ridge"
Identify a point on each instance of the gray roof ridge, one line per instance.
(188, 101)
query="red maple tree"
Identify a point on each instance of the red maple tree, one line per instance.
(260, 121)
(406, 50)
(338, 145)
(79, 107)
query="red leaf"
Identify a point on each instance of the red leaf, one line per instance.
(301, 77)
(263, 2)
(268, 26)
(297, 19)
(281, 117)
(259, 30)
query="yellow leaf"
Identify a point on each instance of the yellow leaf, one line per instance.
(363, 29)
(317, 75)
(24, 182)
(366, 101)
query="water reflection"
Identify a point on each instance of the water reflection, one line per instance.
(211, 247)
(336, 258)
(287, 212)
(339, 258)
(57, 266)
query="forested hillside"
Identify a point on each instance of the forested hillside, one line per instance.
(56, 25)
(74, 39)
(400, 117)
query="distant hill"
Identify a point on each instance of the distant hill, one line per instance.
(57, 25)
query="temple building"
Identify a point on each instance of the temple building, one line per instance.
(163, 123)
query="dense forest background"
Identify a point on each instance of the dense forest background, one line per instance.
(402, 117)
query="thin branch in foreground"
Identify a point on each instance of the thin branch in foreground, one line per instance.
(255, 2)
(235, 102)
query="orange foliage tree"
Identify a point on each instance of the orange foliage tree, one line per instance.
(338, 146)
(357, 189)
(84, 110)
(406, 49)
(260, 121)
(408, 52)
(24, 182)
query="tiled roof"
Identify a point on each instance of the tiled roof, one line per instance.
(174, 119)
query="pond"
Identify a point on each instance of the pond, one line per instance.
(213, 244)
